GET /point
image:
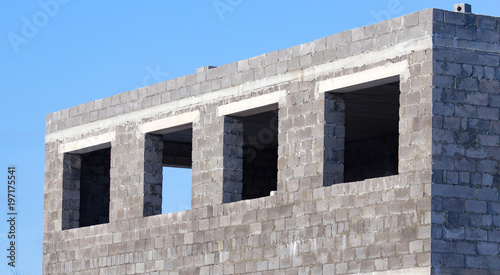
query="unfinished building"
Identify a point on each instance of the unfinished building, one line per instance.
(371, 151)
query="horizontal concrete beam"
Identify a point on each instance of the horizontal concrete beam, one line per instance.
(252, 106)
(88, 144)
(170, 124)
(406, 271)
(365, 79)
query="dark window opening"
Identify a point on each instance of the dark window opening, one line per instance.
(168, 172)
(86, 188)
(371, 132)
(260, 155)
(250, 155)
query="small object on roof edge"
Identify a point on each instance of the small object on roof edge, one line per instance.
(206, 68)
(463, 8)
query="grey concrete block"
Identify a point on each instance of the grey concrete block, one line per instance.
(453, 205)
(466, 57)
(357, 34)
(493, 208)
(489, 140)
(342, 51)
(463, 32)
(488, 166)
(411, 19)
(488, 113)
(476, 261)
(474, 206)
(494, 262)
(453, 260)
(465, 248)
(488, 35)
(465, 165)
(464, 192)
(427, 16)
(453, 234)
(476, 234)
(487, 194)
(489, 60)
(477, 98)
(442, 81)
(442, 246)
(487, 248)
(443, 54)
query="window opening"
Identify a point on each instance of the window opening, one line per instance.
(362, 134)
(251, 156)
(371, 132)
(168, 172)
(86, 188)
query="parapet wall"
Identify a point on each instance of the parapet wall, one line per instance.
(378, 224)
(398, 78)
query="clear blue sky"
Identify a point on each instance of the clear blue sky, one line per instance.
(57, 55)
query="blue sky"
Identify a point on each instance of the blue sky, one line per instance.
(55, 54)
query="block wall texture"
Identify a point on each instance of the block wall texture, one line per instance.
(153, 168)
(439, 214)
(466, 148)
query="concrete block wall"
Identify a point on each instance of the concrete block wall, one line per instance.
(315, 223)
(71, 191)
(466, 142)
(233, 154)
(153, 176)
(334, 140)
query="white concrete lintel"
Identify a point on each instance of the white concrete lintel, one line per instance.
(406, 271)
(251, 106)
(364, 79)
(88, 144)
(305, 75)
(170, 124)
